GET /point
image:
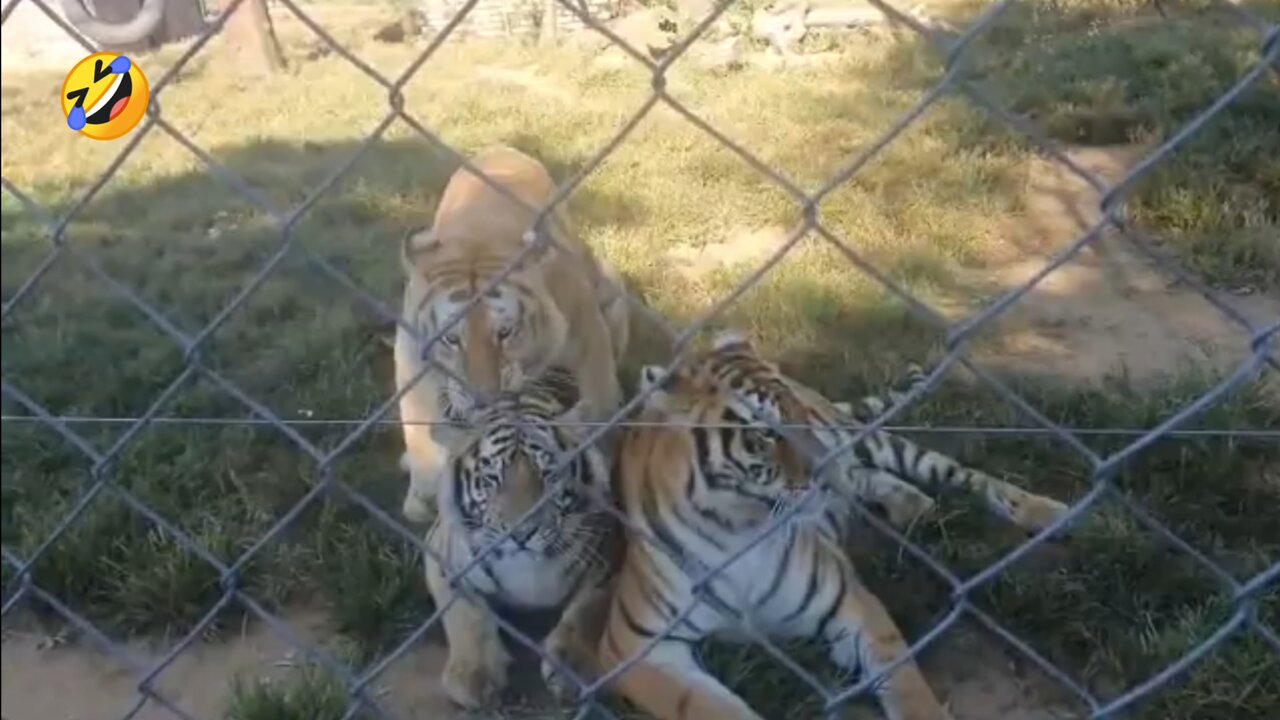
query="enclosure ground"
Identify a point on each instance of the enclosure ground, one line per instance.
(957, 211)
(74, 682)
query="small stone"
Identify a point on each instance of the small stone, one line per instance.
(719, 55)
(390, 33)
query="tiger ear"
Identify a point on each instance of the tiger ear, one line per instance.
(655, 377)
(650, 376)
(414, 244)
(727, 339)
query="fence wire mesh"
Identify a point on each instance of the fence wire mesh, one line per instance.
(951, 46)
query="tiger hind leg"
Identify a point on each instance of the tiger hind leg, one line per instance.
(902, 502)
(869, 407)
(1030, 511)
(1027, 510)
(864, 638)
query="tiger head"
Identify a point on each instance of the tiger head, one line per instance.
(749, 429)
(505, 470)
(502, 339)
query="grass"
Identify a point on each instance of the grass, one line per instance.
(1099, 73)
(306, 693)
(1114, 606)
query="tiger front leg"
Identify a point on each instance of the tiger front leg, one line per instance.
(425, 461)
(669, 683)
(475, 673)
(425, 456)
(424, 483)
(616, 310)
(597, 369)
(573, 641)
(864, 638)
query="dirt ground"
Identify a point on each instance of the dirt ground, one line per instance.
(73, 682)
(36, 677)
(1111, 309)
(31, 40)
(1108, 311)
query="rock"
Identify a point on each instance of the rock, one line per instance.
(652, 31)
(783, 25)
(720, 55)
(852, 16)
(390, 33)
(695, 10)
(787, 23)
(407, 26)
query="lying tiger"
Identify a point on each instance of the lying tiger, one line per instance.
(703, 478)
(883, 467)
(563, 557)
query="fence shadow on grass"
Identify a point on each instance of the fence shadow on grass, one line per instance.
(1114, 607)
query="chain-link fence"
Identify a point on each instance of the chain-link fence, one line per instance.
(1261, 358)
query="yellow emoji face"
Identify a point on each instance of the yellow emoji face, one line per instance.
(104, 96)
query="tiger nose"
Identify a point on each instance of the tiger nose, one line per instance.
(521, 534)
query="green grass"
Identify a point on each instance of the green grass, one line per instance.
(1113, 606)
(1099, 73)
(305, 693)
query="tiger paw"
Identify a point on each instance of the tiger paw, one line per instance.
(423, 486)
(475, 682)
(415, 508)
(1033, 512)
(566, 654)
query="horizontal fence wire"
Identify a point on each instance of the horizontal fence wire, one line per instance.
(362, 700)
(975, 430)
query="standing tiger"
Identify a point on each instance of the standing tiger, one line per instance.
(560, 309)
(562, 557)
(703, 477)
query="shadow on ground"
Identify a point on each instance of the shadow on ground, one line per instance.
(1114, 607)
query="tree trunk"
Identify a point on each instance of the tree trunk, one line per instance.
(182, 19)
(250, 40)
(550, 29)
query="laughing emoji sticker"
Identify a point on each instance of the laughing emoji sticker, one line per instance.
(104, 96)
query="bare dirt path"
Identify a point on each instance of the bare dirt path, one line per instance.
(75, 682)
